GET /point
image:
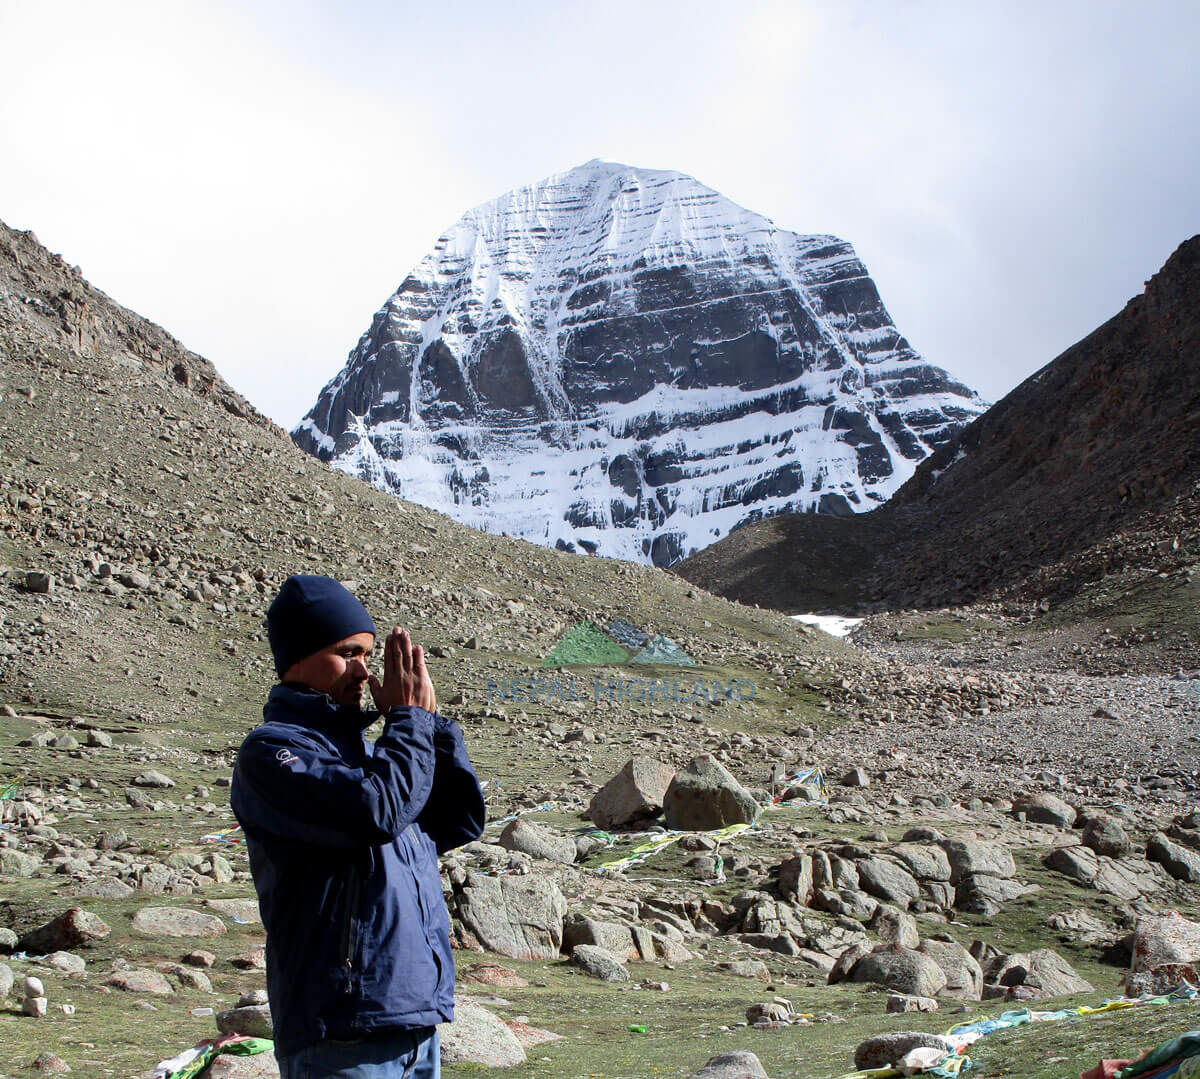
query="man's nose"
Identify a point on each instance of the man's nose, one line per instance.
(358, 667)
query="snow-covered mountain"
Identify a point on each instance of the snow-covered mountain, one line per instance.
(623, 361)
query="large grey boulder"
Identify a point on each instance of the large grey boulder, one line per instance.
(518, 916)
(888, 881)
(538, 842)
(253, 1020)
(1126, 878)
(1164, 938)
(477, 1037)
(177, 922)
(634, 793)
(902, 970)
(75, 928)
(1043, 971)
(1106, 835)
(984, 894)
(925, 861)
(971, 856)
(1044, 808)
(703, 796)
(1179, 861)
(894, 926)
(599, 963)
(796, 878)
(579, 929)
(740, 1064)
(885, 1049)
(964, 977)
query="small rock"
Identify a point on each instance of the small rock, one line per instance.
(33, 987)
(50, 1064)
(740, 1064)
(34, 1007)
(152, 778)
(254, 1021)
(903, 1002)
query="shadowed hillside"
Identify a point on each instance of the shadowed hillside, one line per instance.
(1089, 466)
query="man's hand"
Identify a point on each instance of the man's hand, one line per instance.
(405, 677)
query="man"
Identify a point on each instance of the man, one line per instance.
(343, 837)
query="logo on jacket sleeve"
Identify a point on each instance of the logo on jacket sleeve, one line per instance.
(286, 756)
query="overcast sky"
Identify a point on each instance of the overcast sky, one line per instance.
(259, 177)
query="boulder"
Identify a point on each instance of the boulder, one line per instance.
(983, 894)
(1105, 835)
(971, 856)
(177, 922)
(884, 1050)
(478, 1037)
(888, 881)
(740, 1064)
(964, 977)
(1043, 972)
(75, 928)
(925, 861)
(599, 963)
(612, 936)
(902, 970)
(900, 1004)
(139, 981)
(1163, 979)
(796, 878)
(703, 796)
(18, 863)
(258, 1066)
(1079, 925)
(894, 926)
(1119, 878)
(1179, 861)
(253, 1020)
(518, 916)
(538, 842)
(634, 793)
(1164, 938)
(1043, 808)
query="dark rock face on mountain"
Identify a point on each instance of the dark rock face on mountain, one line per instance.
(1094, 459)
(622, 361)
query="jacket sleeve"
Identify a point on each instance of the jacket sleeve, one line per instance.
(296, 787)
(454, 813)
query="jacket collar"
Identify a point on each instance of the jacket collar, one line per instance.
(317, 710)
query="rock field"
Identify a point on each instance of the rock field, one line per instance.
(1011, 811)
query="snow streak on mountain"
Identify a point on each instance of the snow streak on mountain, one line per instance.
(622, 361)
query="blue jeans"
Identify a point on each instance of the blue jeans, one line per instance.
(414, 1054)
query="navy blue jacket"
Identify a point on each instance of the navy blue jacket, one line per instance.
(343, 837)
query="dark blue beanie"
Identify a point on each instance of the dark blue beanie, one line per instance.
(309, 614)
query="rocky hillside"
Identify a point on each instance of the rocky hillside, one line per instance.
(622, 361)
(1089, 467)
(146, 519)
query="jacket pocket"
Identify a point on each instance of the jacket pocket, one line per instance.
(350, 925)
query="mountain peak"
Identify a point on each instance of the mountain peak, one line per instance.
(625, 361)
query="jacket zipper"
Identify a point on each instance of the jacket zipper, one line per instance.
(349, 927)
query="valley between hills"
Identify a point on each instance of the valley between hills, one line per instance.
(1009, 816)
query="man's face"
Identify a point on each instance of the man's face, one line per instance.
(340, 669)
